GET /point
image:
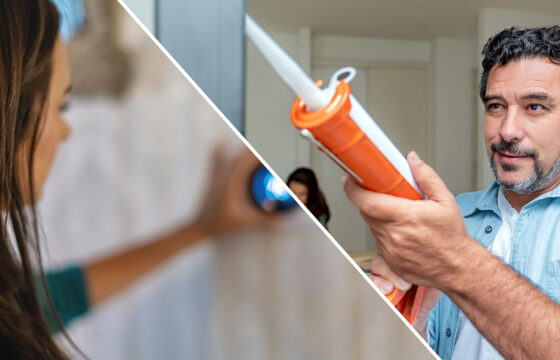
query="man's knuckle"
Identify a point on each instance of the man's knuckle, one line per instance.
(431, 177)
(369, 208)
(389, 254)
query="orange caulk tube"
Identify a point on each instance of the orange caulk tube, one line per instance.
(340, 138)
(339, 126)
(334, 131)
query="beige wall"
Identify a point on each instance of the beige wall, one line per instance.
(453, 133)
(268, 103)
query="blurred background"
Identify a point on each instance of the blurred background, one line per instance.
(418, 64)
(136, 166)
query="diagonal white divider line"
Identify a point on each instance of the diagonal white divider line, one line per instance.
(250, 147)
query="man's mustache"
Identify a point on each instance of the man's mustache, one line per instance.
(512, 148)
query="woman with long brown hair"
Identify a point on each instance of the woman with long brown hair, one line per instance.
(303, 182)
(28, 33)
(34, 84)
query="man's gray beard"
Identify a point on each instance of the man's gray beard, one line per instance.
(536, 181)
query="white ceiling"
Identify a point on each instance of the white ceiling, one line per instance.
(396, 19)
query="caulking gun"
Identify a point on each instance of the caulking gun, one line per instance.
(337, 124)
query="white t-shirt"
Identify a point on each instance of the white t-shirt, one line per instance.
(471, 345)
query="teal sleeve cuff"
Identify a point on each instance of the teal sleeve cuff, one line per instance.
(68, 291)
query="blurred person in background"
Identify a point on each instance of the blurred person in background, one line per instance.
(34, 84)
(305, 186)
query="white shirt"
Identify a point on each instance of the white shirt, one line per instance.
(470, 344)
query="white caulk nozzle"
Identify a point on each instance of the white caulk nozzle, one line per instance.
(288, 70)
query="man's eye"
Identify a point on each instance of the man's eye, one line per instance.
(64, 106)
(493, 106)
(535, 107)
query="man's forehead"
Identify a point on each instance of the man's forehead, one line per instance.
(536, 72)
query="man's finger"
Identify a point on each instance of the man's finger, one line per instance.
(380, 269)
(382, 284)
(427, 179)
(375, 205)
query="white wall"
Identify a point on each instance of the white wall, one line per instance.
(369, 49)
(268, 104)
(145, 10)
(453, 121)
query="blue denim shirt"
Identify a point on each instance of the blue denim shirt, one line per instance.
(535, 253)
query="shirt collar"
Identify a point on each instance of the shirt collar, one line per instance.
(484, 200)
(489, 200)
(554, 193)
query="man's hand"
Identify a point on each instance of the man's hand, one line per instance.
(386, 280)
(421, 241)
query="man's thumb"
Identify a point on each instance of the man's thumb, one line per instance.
(427, 179)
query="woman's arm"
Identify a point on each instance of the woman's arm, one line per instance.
(106, 276)
(226, 208)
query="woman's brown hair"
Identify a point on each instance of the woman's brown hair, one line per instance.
(316, 202)
(28, 32)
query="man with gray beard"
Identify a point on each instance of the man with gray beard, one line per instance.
(536, 181)
(490, 259)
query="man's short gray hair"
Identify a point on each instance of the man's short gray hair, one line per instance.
(516, 44)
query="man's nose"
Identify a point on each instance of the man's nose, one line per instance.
(512, 125)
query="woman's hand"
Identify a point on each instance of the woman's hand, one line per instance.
(227, 205)
(225, 208)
